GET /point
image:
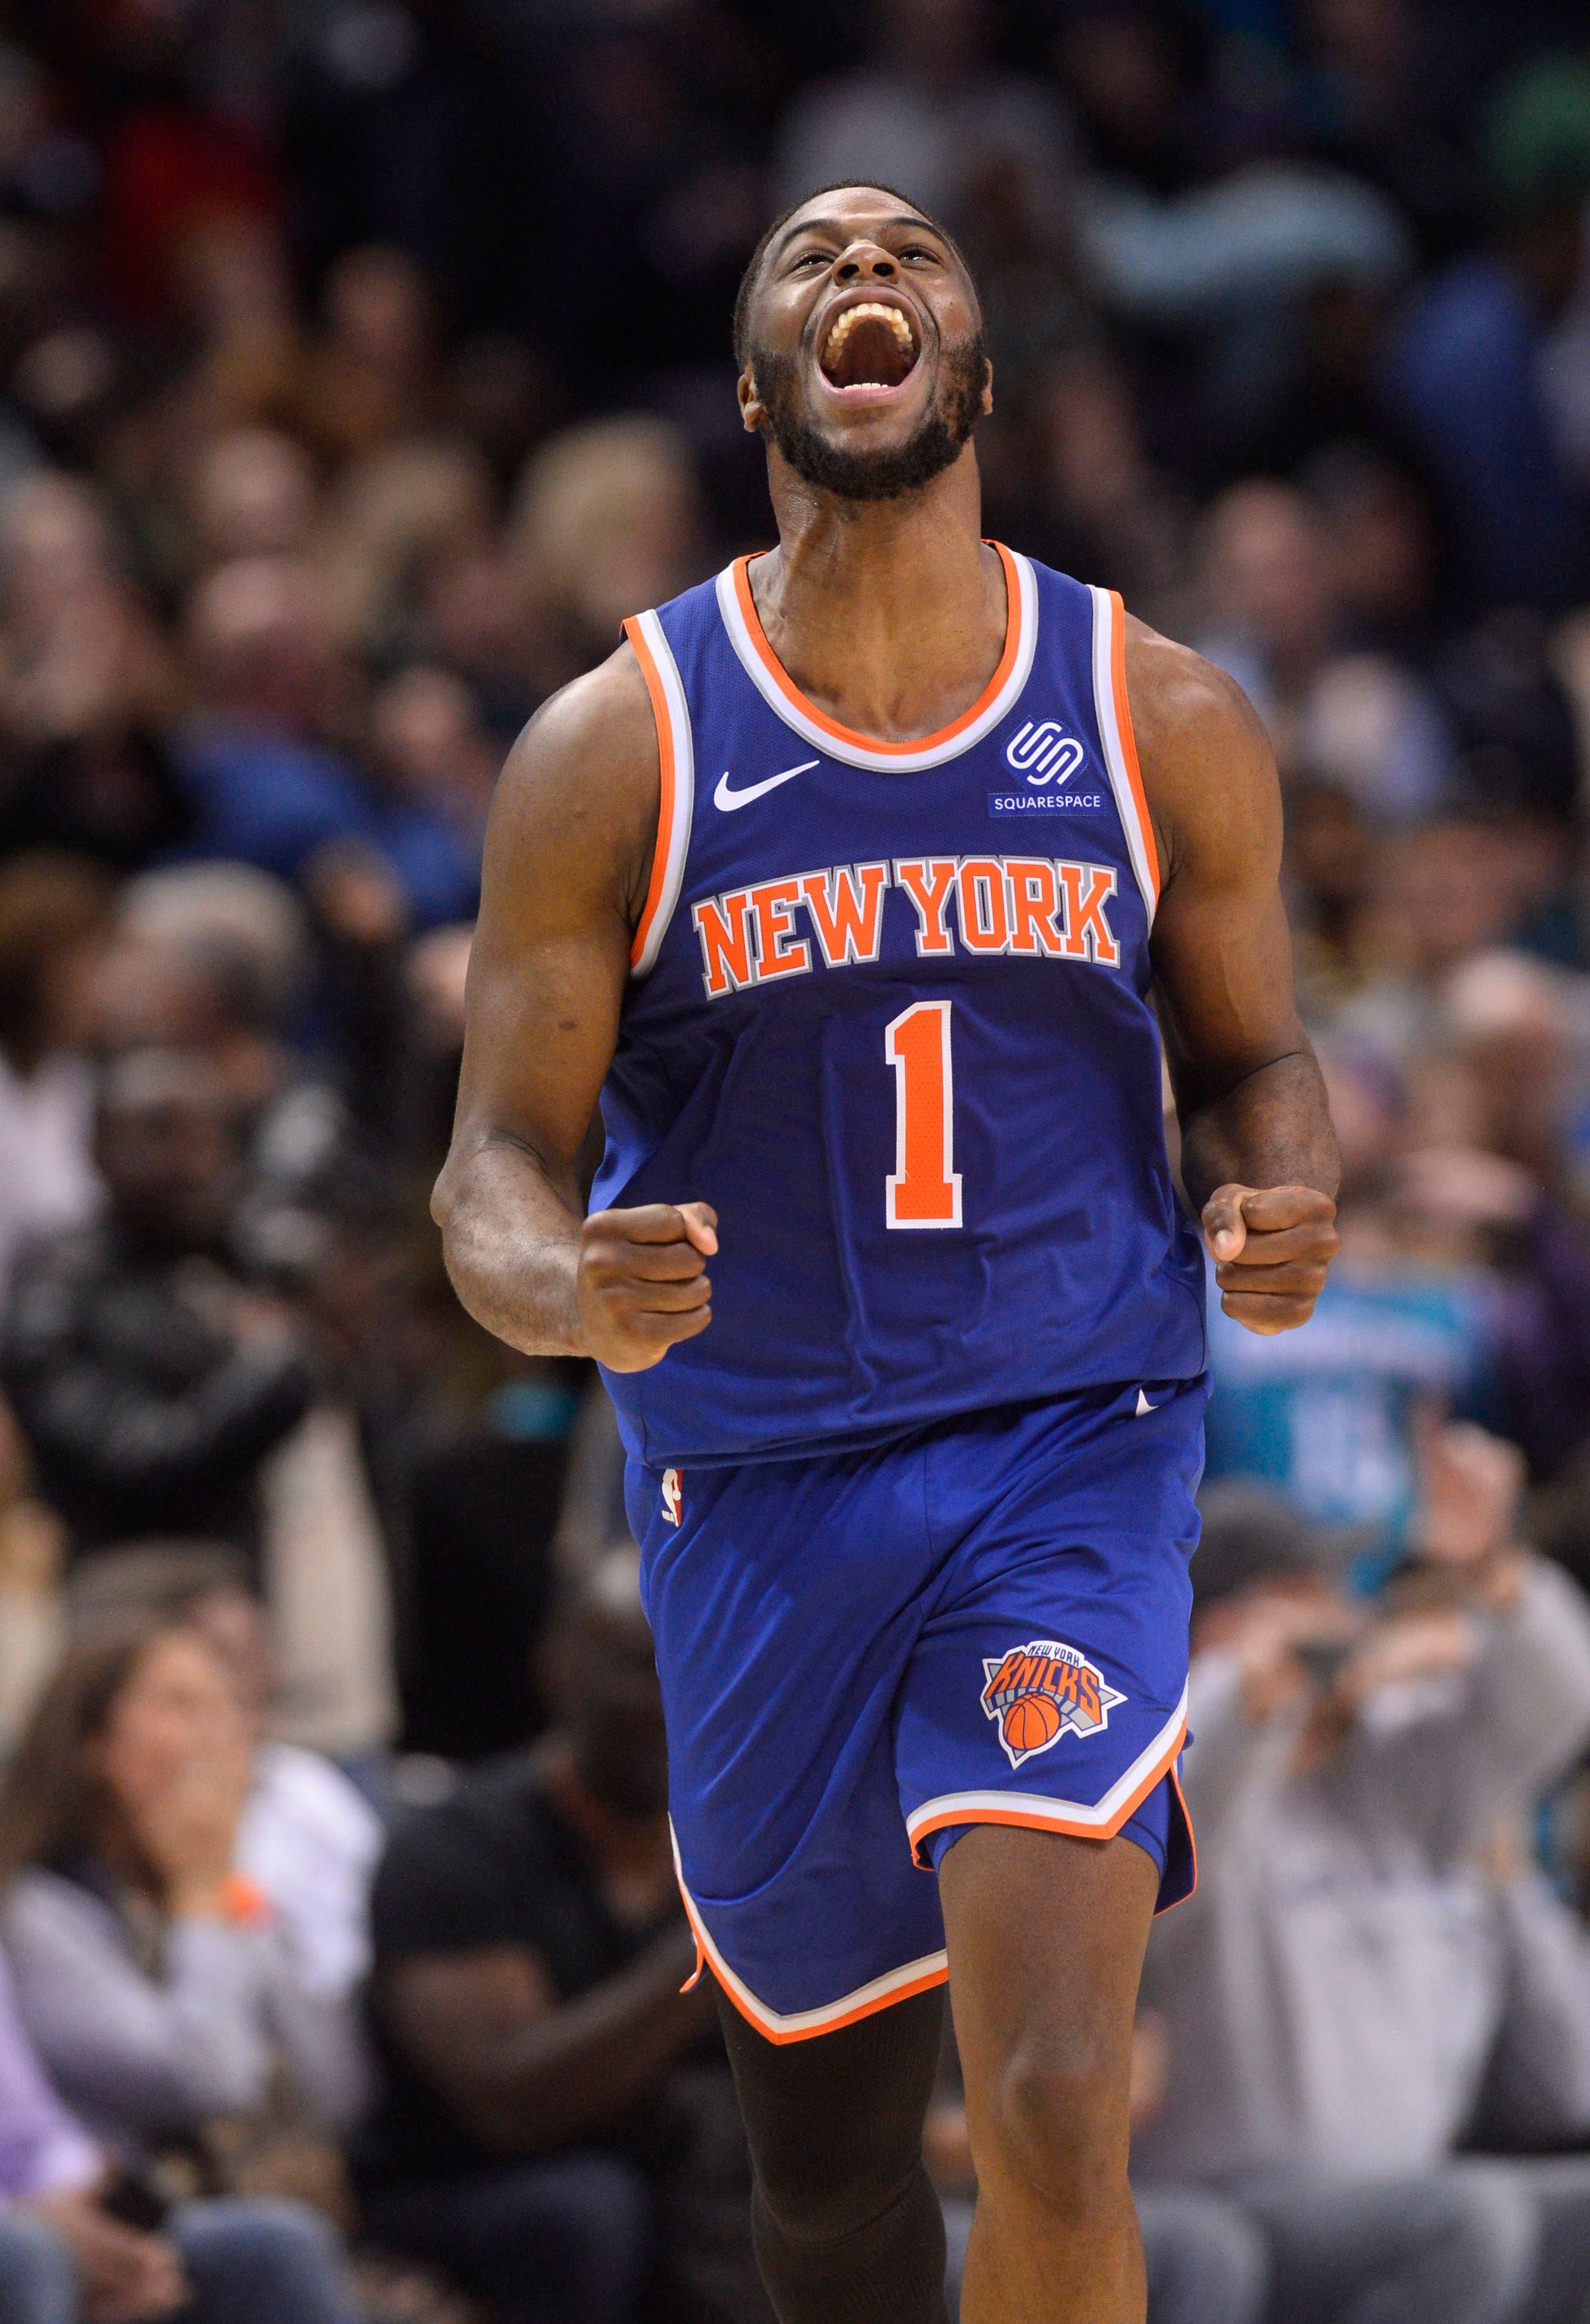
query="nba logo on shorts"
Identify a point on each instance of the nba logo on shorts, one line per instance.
(1043, 1691)
(672, 1494)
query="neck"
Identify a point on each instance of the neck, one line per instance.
(890, 615)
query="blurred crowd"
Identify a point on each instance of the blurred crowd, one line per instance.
(362, 364)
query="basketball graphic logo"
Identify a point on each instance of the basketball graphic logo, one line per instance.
(1040, 1691)
(672, 1494)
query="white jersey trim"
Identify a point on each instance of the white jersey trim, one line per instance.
(837, 741)
(1101, 1820)
(1110, 708)
(801, 2024)
(676, 805)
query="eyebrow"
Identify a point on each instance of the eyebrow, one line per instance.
(835, 226)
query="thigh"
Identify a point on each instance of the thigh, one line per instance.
(564, 2241)
(784, 1602)
(1048, 1688)
(38, 2282)
(1206, 2259)
(1046, 1936)
(1458, 2244)
(1558, 2187)
(255, 2261)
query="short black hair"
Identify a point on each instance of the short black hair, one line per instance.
(747, 281)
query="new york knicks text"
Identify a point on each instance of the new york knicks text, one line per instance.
(1031, 904)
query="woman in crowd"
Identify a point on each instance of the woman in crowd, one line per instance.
(152, 1983)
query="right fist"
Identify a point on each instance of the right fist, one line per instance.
(641, 1283)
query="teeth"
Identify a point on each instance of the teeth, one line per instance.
(852, 315)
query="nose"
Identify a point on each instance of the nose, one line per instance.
(864, 262)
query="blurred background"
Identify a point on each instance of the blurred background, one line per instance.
(362, 362)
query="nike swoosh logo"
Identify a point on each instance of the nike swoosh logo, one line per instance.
(1143, 1406)
(728, 800)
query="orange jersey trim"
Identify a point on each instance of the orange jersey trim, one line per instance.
(666, 799)
(1117, 680)
(809, 710)
(806, 2024)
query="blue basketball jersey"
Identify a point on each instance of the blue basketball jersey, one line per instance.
(889, 1014)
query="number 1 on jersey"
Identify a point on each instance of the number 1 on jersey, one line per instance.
(925, 1188)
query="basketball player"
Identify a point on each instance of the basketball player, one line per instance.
(862, 887)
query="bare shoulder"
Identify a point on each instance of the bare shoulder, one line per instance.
(579, 791)
(1207, 768)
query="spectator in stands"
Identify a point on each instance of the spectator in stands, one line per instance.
(928, 111)
(553, 2101)
(252, 492)
(1442, 892)
(1333, 1994)
(148, 1972)
(307, 1837)
(1276, 618)
(82, 2241)
(432, 749)
(85, 687)
(218, 957)
(1465, 369)
(150, 1378)
(1408, 1330)
(266, 788)
(607, 517)
(54, 923)
(390, 516)
(370, 379)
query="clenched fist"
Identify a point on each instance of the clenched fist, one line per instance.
(1270, 1246)
(641, 1282)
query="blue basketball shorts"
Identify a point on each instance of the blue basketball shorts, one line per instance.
(864, 1654)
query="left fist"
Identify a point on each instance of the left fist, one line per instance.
(1270, 1246)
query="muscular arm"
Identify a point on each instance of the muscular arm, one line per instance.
(569, 854)
(523, 2070)
(1258, 1154)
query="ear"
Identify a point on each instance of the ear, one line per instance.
(753, 412)
(987, 387)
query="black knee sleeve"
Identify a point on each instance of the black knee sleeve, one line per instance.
(848, 2228)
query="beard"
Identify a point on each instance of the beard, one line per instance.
(884, 475)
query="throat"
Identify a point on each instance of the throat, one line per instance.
(893, 646)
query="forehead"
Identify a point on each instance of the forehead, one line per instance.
(849, 211)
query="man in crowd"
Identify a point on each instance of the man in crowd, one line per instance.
(553, 2100)
(1334, 1994)
(149, 1379)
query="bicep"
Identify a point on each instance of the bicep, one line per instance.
(1222, 958)
(569, 838)
(1221, 948)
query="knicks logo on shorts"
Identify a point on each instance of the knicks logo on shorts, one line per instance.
(672, 1494)
(1043, 1691)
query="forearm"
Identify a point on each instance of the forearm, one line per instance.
(511, 1239)
(151, 2058)
(581, 2065)
(1271, 1129)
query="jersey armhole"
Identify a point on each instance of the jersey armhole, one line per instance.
(1114, 712)
(675, 803)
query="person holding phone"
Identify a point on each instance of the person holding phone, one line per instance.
(147, 1981)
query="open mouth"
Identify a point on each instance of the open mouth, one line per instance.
(871, 345)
